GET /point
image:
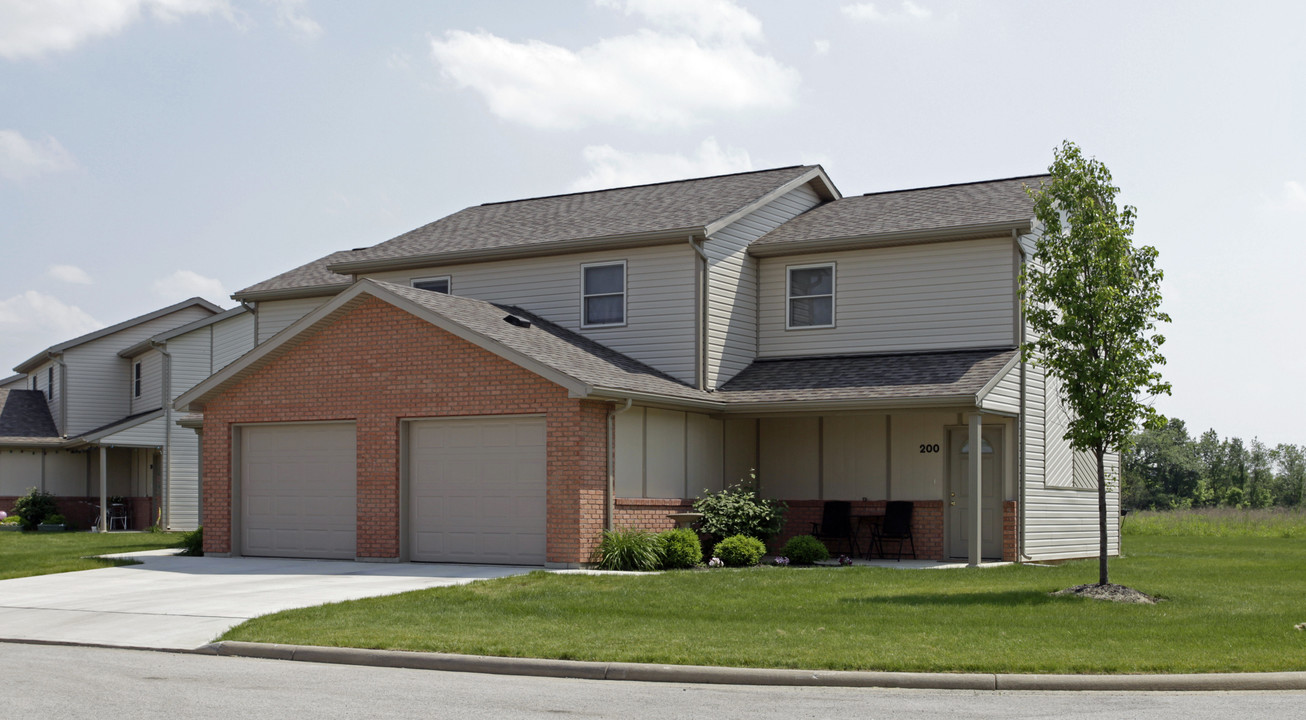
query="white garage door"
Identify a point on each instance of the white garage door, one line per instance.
(476, 490)
(298, 485)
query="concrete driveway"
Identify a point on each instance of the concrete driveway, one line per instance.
(174, 602)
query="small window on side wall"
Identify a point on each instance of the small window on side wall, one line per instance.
(136, 379)
(603, 294)
(434, 284)
(49, 382)
(810, 296)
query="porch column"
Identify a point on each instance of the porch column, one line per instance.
(975, 458)
(104, 489)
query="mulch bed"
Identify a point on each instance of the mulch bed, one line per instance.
(1110, 592)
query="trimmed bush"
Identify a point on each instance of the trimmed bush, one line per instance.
(737, 510)
(680, 549)
(34, 508)
(192, 543)
(805, 550)
(628, 550)
(740, 551)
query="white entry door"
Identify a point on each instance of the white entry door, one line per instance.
(476, 490)
(959, 502)
(298, 490)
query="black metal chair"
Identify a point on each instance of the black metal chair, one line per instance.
(837, 524)
(896, 526)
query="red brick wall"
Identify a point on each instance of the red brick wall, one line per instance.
(1010, 531)
(80, 512)
(648, 513)
(376, 365)
(926, 526)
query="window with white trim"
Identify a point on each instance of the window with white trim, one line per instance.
(810, 296)
(435, 284)
(49, 382)
(603, 294)
(136, 379)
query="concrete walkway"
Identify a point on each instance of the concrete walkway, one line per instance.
(180, 603)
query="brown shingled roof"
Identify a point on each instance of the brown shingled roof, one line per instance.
(306, 276)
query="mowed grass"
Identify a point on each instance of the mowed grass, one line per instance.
(1231, 604)
(33, 553)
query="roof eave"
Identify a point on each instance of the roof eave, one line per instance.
(907, 237)
(92, 438)
(783, 406)
(294, 293)
(560, 247)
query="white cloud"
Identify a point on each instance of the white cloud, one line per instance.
(290, 15)
(34, 320)
(610, 167)
(646, 79)
(21, 158)
(704, 19)
(821, 47)
(32, 28)
(69, 274)
(868, 12)
(1294, 195)
(183, 284)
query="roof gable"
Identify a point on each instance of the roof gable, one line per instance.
(25, 414)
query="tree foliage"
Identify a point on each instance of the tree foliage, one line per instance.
(1093, 301)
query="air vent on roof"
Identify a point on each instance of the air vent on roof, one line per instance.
(516, 321)
(360, 249)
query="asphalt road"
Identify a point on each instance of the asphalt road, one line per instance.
(46, 681)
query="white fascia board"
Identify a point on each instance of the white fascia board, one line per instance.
(816, 173)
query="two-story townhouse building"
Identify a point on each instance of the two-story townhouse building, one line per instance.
(504, 383)
(91, 418)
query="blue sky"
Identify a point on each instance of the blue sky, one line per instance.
(151, 150)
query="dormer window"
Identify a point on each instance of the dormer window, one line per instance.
(434, 284)
(136, 379)
(811, 296)
(603, 294)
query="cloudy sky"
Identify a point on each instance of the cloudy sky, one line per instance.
(151, 150)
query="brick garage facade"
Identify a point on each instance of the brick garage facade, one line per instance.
(377, 365)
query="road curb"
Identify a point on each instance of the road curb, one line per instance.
(641, 672)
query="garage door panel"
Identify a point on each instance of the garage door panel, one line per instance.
(478, 485)
(298, 490)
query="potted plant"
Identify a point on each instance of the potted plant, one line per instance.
(10, 523)
(52, 523)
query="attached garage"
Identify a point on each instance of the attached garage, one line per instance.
(298, 490)
(476, 490)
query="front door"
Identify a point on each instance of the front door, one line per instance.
(959, 493)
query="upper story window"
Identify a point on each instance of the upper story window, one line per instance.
(136, 379)
(33, 382)
(49, 382)
(434, 284)
(811, 296)
(603, 294)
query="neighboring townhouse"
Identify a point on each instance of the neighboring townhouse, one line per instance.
(86, 411)
(504, 383)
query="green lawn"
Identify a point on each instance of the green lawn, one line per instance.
(1231, 606)
(31, 553)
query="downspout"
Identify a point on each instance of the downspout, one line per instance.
(166, 457)
(700, 375)
(1020, 451)
(612, 462)
(253, 310)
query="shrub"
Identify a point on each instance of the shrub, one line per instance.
(805, 550)
(680, 549)
(628, 550)
(737, 510)
(11, 520)
(192, 543)
(55, 519)
(34, 507)
(740, 551)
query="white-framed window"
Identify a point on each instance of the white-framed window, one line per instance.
(136, 379)
(49, 382)
(603, 294)
(443, 284)
(809, 296)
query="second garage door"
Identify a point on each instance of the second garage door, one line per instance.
(298, 489)
(476, 490)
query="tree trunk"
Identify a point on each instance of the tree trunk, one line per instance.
(1100, 451)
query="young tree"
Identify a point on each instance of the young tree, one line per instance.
(1093, 300)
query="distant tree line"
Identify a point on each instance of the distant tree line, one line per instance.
(1166, 469)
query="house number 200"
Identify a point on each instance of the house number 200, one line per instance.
(927, 448)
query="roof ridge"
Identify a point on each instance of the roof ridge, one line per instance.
(640, 185)
(960, 184)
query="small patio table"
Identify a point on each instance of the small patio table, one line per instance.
(872, 522)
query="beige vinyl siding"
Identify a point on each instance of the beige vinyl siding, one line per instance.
(192, 362)
(20, 471)
(732, 284)
(146, 434)
(853, 457)
(1005, 396)
(277, 315)
(99, 391)
(660, 298)
(151, 382)
(231, 338)
(939, 296)
(667, 453)
(789, 463)
(61, 472)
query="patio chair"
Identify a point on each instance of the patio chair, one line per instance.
(896, 526)
(836, 524)
(117, 516)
